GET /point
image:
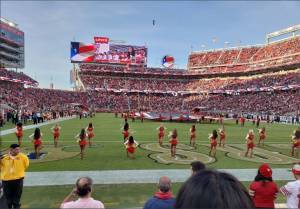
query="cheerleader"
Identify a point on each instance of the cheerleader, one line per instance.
(173, 141)
(90, 133)
(161, 133)
(19, 132)
(37, 142)
(125, 131)
(55, 131)
(262, 135)
(131, 146)
(295, 142)
(193, 135)
(81, 140)
(250, 143)
(222, 137)
(213, 137)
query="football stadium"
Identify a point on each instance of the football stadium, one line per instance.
(221, 130)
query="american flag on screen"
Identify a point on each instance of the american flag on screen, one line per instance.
(81, 52)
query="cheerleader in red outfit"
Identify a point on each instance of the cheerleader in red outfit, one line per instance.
(250, 143)
(37, 142)
(81, 140)
(19, 132)
(213, 137)
(222, 137)
(193, 135)
(90, 133)
(262, 135)
(173, 141)
(131, 146)
(55, 130)
(296, 142)
(125, 131)
(161, 133)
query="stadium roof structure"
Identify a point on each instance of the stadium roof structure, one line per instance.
(292, 29)
(10, 23)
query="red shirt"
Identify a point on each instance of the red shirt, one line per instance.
(264, 194)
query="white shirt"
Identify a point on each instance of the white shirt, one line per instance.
(83, 203)
(291, 190)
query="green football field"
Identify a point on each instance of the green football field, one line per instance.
(108, 153)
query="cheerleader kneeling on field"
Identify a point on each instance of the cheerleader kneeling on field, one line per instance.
(131, 146)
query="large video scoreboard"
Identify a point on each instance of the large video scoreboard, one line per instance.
(102, 51)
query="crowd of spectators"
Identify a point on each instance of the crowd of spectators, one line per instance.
(247, 58)
(9, 74)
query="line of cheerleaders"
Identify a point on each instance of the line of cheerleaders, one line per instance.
(131, 145)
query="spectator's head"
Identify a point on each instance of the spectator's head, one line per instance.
(197, 166)
(264, 173)
(296, 170)
(14, 149)
(84, 187)
(164, 184)
(213, 189)
(37, 133)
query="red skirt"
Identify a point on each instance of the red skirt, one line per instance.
(161, 134)
(82, 143)
(130, 149)
(193, 135)
(250, 145)
(56, 134)
(126, 134)
(37, 142)
(174, 142)
(213, 144)
(19, 134)
(91, 135)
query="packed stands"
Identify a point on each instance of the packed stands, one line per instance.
(9, 75)
(254, 58)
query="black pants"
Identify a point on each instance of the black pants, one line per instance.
(12, 192)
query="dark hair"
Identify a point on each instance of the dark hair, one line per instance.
(19, 124)
(82, 134)
(130, 140)
(126, 126)
(83, 190)
(215, 134)
(261, 178)
(197, 166)
(213, 189)
(90, 125)
(37, 133)
(193, 128)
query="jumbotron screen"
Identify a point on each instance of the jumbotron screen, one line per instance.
(102, 51)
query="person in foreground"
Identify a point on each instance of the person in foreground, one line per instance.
(83, 190)
(213, 189)
(12, 172)
(263, 190)
(292, 189)
(163, 198)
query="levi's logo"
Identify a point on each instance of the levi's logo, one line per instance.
(101, 39)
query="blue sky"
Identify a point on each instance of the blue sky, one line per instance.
(49, 26)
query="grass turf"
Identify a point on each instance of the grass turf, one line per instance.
(113, 196)
(109, 154)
